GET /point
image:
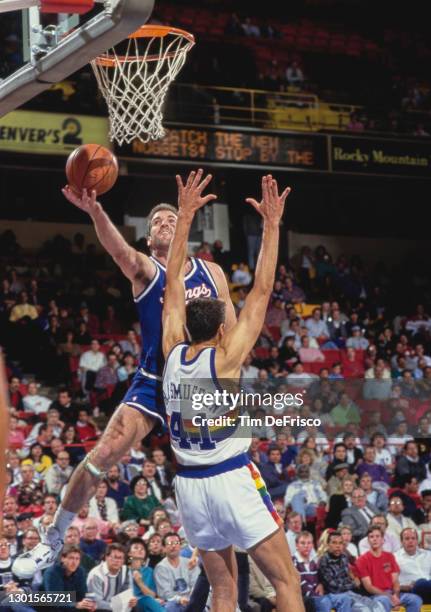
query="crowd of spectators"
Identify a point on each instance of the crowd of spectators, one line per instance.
(352, 483)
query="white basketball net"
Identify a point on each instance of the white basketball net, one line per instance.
(135, 84)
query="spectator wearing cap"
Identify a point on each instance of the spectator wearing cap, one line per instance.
(415, 566)
(409, 464)
(335, 483)
(24, 521)
(357, 340)
(68, 575)
(273, 473)
(305, 495)
(390, 542)
(359, 515)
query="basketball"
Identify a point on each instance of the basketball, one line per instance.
(91, 166)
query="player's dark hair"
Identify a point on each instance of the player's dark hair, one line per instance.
(204, 316)
(156, 209)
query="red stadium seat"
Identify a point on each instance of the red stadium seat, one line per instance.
(261, 352)
(275, 332)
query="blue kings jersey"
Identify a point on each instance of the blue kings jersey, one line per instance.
(145, 393)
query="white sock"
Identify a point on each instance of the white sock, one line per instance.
(62, 520)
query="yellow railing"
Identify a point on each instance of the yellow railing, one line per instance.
(256, 108)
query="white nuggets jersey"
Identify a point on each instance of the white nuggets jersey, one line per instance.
(193, 441)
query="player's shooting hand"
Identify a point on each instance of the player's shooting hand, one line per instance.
(86, 201)
(190, 197)
(271, 207)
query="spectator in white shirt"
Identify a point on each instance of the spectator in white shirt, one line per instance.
(33, 402)
(90, 363)
(241, 275)
(357, 340)
(294, 75)
(396, 520)
(415, 566)
(383, 456)
(53, 423)
(58, 474)
(317, 328)
(250, 29)
(294, 528)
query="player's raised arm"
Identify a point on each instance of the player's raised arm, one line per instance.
(190, 199)
(137, 267)
(237, 343)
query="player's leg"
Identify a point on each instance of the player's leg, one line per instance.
(272, 555)
(220, 567)
(126, 426)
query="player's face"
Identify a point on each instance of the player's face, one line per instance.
(162, 229)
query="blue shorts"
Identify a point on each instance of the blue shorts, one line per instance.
(146, 395)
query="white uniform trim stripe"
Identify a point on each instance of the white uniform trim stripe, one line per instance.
(192, 271)
(150, 286)
(143, 409)
(149, 375)
(210, 276)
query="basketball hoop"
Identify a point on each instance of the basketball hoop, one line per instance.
(135, 83)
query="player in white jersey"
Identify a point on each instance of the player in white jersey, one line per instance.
(221, 496)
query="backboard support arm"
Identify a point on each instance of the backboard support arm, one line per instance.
(119, 19)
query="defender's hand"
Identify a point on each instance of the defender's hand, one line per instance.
(86, 202)
(190, 197)
(271, 207)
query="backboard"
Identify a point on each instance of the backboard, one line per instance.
(59, 39)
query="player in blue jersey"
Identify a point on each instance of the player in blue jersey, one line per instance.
(143, 404)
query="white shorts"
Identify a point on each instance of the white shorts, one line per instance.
(233, 507)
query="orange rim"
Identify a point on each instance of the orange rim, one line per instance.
(145, 31)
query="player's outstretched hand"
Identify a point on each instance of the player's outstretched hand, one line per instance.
(271, 207)
(190, 197)
(86, 202)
